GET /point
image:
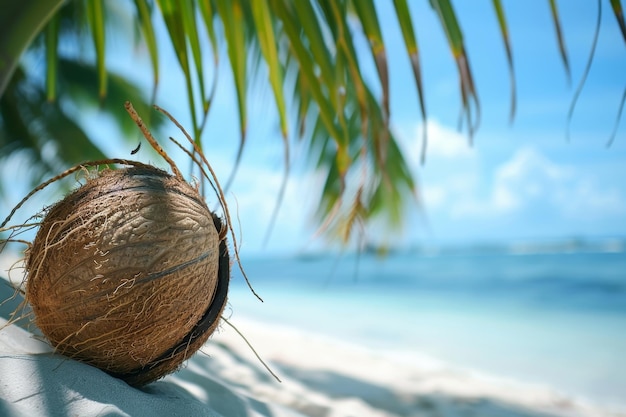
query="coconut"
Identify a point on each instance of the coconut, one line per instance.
(129, 273)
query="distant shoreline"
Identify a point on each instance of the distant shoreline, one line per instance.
(512, 247)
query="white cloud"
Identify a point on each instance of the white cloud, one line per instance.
(434, 196)
(527, 176)
(446, 143)
(464, 192)
(442, 143)
(501, 189)
(530, 183)
(450, 162)
(589, 199)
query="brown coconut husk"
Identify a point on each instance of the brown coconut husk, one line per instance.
(130, 272)
(124, 273)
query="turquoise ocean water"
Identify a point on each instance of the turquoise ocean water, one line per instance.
(557, 319)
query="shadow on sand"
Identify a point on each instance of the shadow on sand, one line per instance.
(226, 385)
(394, 403)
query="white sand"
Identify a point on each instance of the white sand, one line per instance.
(320, 377)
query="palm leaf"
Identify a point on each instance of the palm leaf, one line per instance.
(504, 31)
(267, 42)
(145, 22)
(307, 46)
(206, 9)
(28, 126)
(20, 24)
(78, 80)
(307, 17)
(617, 119)
(346, 58)
(95, 14)
(618, 11)
(191, 31)
(457, 46)
(410, 41)
(554, 10)
(232, 17)
(581, 84)
(369, 20)
(306, 65)
(52, 41)
(172, 15)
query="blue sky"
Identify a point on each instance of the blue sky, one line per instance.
(524, 181)
(520, 181)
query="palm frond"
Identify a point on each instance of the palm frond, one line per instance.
(78, 80)
(306, 48)
(410, 41)
(504, 31)
(29, 125)
(554, 10)
(618, 11)
(20, 24)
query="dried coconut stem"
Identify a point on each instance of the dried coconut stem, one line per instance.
(199, 165)
(18, 227)
(146, 133)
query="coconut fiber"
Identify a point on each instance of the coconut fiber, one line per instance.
(128, 273)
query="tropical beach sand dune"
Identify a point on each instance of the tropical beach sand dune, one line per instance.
(320, 377)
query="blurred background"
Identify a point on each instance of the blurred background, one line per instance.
(511, 254)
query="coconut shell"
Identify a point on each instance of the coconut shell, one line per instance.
(128, 273)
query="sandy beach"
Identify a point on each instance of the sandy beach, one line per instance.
(320, 377)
